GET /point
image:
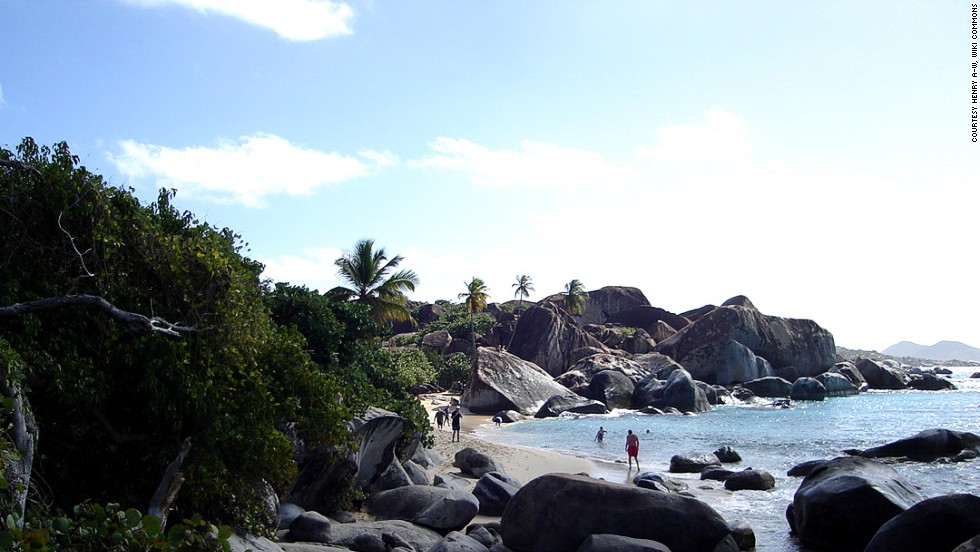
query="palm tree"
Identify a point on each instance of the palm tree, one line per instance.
(367, 270)
(575, 297)
(523, 290)
(476, 300)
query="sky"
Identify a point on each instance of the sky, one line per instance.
(816, 157)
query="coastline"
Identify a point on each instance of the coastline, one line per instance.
(526, 463)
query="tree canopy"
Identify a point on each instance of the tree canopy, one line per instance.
(115, 402)
(574, 297)
(374, 282)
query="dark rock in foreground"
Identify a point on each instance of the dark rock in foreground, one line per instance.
(934, 525)
(843, 502)
(617, 543)
(558, 512)
(473, 462)
(442, 510)
(750, 480)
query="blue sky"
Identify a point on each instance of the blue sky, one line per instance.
(815, 157)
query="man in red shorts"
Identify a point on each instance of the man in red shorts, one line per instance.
(633, 449)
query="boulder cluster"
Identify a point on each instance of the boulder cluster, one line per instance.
(623, 353)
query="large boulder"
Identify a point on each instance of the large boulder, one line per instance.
(880, 375)
(502, 381)
(927, 445)
(547, 335)
(679, 391)
(656, 363)
(937, 524)
(782, 341)
(608, 301)
(693, 462)
(323, 473)
(619, 543)
(930, 382)
(770, 387)
(750, 480)
(850, 371)
(612, 388)
(843, 502)
(837, 385)
(439, 340)
(591, 365)
(473, 462)
(494, 490)
(648, 318)
(554, 406)
(442, 510)
(639, 343)
(379, 431)
(725, 362)
(374, 535)
(458, 542)
(558, 512)
(808, 389)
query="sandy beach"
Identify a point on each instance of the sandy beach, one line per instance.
(526, 463)
(522, 463)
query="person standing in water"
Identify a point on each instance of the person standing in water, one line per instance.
(633, 449)
(600, 434)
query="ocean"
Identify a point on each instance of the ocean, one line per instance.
(770, 439)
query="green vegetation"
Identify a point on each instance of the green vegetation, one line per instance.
(128, 329)
(475, 298)
(456, 320)
(522, 289)
(574, 297)
(369, 272)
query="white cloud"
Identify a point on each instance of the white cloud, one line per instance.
(2, 101)
(299, 20)
(315, 269)
(536, 164)
(245, 172)
(721, 138)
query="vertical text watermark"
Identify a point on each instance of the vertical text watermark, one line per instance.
(973, 73)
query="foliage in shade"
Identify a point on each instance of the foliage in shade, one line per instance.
(114, 402)
(574, 297)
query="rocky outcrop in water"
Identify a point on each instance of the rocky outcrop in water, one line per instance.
(843, 502)
(678, 391)
(558, 512)
(725, 362)
(785, 342)
(927, 445)
(503, 381)
(881, 376)
(939, 523)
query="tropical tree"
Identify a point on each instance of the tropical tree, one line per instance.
(373, 282)
(522, 289)
(574, 297)
(475, 299)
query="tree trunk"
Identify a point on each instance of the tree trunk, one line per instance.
(24, 434)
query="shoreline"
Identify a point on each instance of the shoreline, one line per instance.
(526, 463)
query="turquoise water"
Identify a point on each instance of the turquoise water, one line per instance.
(773, 440)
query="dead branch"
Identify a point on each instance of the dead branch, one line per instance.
(117, 436)
(71, 239)
(10, 164)
(25, 435)
(166, 492)
(153, 324)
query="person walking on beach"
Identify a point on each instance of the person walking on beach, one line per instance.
(456, 417)
(633, 449)
(440, 418)
(600, 434)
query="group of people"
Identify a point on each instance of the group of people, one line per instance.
(632, 445)
(453, 416)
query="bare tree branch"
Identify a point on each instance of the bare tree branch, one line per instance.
(153, 324)
(25, 435)
(117, 436)
(167, 490)
(71, 239)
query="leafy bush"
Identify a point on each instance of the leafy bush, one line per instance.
(414, 366)
(456, 320)
(94, 527)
